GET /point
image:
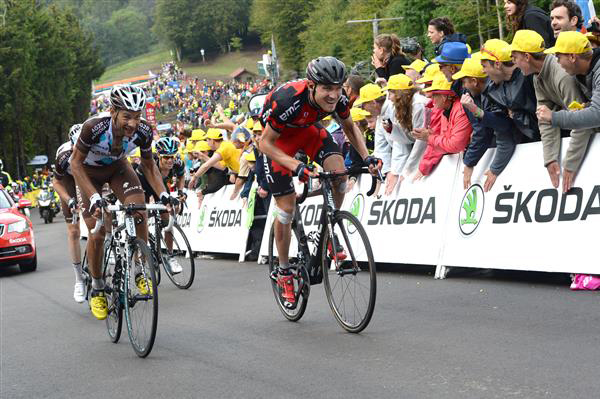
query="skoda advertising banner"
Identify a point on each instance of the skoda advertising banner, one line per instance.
(523, 222)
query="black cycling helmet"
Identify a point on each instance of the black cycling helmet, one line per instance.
(327, 71)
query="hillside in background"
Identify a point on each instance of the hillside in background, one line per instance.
(213, 69)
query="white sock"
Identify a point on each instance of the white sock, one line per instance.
(78, 272)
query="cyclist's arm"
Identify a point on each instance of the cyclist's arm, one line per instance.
(180, 184)
(267, 146)
(152, 175)
(81, 178)
(355, 137)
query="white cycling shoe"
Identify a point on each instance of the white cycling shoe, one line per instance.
(174, 265)
(79, 292)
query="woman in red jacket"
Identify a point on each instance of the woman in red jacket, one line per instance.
(451, 135)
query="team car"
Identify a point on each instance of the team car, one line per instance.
(17, 242)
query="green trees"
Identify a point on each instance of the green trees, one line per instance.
(47, 63)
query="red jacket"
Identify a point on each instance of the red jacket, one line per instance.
(450, 136)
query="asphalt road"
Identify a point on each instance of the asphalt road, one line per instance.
(477, 334)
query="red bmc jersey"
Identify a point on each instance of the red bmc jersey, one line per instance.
(288, 106)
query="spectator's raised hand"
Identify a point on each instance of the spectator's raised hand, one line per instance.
(554, 172)
(467, 101)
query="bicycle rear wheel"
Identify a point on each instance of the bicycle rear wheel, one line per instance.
(141, 298)
(301, 280)
(182, 252)
(349, 272)
(112, 283)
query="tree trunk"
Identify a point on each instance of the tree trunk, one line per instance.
(479, 33)
(500, 27)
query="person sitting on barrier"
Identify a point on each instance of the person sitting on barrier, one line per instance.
(555, 89)
(451, 135)
(491, 123)
(509, 89)
(407, 111)
(576, 56)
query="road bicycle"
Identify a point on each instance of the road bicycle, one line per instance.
(349, 276)
(129, 276)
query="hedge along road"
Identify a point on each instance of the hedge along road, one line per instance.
(477, 334)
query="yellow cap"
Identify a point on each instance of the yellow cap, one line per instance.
(496, 50)
(257, 127)
(198, 134)
(214, 134)
(249, 124)
(399, 82)
(202, 146)
(189, 146)
(358, 114)
(570, 42)
(593, 38)
(430, 72)
(250, 157)
(470, 68)
(369, 92)
(575, 106)
(440, 83)
(527, 41)
(417, 65)
(136, 153)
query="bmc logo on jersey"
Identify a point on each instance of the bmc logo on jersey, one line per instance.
(344, 100)
(290, 111)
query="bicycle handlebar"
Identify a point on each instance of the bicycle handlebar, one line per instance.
(351, 171)
(132, 207)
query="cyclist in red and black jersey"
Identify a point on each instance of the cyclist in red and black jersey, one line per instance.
(290, 118)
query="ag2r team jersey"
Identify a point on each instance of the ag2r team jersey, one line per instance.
(63, 160)
(96, 141)
(288, 106)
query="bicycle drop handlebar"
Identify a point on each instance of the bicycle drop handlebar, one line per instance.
(351, 171)
(131, 208)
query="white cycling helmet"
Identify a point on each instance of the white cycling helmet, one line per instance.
(128, 97)
(74, 132)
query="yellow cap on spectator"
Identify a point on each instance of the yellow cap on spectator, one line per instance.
(358, 114)
(417, 65)
(593, 38)
(369, 92)
(430, 72)
(198, 134)
(527, 41)
(399, 82)
(257, 127)
(470, 68)
(571, 42)
(440, 84)
(136, 153)
(250, 156)
(496, 50)
(202, 146)
(214, 134)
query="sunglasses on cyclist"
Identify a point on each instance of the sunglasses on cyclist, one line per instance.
(168, 157)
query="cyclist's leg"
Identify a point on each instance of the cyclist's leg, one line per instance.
(95, 241)
(285, 206)
(323, 149)
(335, 162)
(73, 235)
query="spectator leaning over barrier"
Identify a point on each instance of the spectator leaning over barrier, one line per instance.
(441, 31)
(576, 57)
(522, 15)
(510, 89)
(450, 60)
(555, 89)
(353, 159)
(223, 151)
(214, 178)
(430, 71)
(414, 70)
(387, 57)
(452, 135)
(491, 122)
(406, 113)
(372, 98)
(565, 16)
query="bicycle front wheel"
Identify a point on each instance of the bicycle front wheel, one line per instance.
(301, 284)
(112, 282)
(349, 272)
(182, 255)
(141, 298)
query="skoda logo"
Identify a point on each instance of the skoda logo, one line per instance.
(357, 208)
(471, 210)
(200, 226)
